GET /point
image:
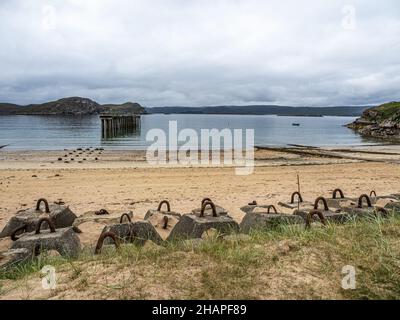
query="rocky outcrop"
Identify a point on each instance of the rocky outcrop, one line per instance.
(379, 122)
(71, 106)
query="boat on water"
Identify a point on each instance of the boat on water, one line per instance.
(296, 124)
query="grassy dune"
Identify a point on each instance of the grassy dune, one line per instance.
(287, 263)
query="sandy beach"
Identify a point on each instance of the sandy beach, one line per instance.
(123, 181)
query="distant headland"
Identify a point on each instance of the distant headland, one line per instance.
(70, 106)
(380, 122)
(85, 106)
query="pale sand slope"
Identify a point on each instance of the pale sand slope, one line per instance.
(124, 181)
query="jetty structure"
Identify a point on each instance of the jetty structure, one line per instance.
(117, 124)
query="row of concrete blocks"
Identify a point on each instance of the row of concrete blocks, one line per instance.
(62, 236)
(34, 230)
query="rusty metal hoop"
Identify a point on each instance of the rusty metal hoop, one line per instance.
(360, 201)
(49, 222)
(300, 198)
(166, 203)
(13, 235)
(102, 237)
(272, 207)
(206, 199)
(46, 204)
(313, 213)
(335, 192)
(121, 220)
(373, 192)
(166, 220)
(318, 200)
(208, 203)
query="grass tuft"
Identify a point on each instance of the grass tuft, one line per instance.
(288, 262)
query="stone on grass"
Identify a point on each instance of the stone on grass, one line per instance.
(365, 208)
(330, 216)
(65, 241)
(192, 226)
(324, 213)
(13, 257)
(61, 215)
(163, 220)
(267, 221)
(136, 232)
(394, 206)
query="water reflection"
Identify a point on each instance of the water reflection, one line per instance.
(55, 132)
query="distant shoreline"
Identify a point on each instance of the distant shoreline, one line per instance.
(86, 106)
(176, 113)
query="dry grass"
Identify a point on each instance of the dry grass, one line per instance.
(287, 263)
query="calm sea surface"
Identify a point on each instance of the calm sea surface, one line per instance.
(54, 132)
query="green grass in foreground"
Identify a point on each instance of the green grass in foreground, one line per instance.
(286, 263)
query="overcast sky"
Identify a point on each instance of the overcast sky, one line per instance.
(202, 52)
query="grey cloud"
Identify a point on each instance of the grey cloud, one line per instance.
(171, 52)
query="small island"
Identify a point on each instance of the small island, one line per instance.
(76, 106)
(379, 122)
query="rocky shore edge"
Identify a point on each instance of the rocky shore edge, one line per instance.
(379, 122)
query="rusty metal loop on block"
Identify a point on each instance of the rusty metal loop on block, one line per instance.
(335, 192)
(103, 236)
(300, 198)
(46, 204)
(125, 215)
(14, 233)
(360, 201)
(313, 213)
(273, 208)
(208, 203)
(49, 222)
(206, 199)
(372, 193)
(318, 200)
(166, 220)
(166, 203)
(101, 212)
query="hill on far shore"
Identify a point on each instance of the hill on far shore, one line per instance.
(70, 106)
(85, 106)
(264, 110)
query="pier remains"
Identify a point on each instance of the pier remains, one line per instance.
(113, 125)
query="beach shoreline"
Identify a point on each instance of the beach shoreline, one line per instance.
(117, 179)
(123, 181)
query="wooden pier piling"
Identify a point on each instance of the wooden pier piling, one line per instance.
(113, 125)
